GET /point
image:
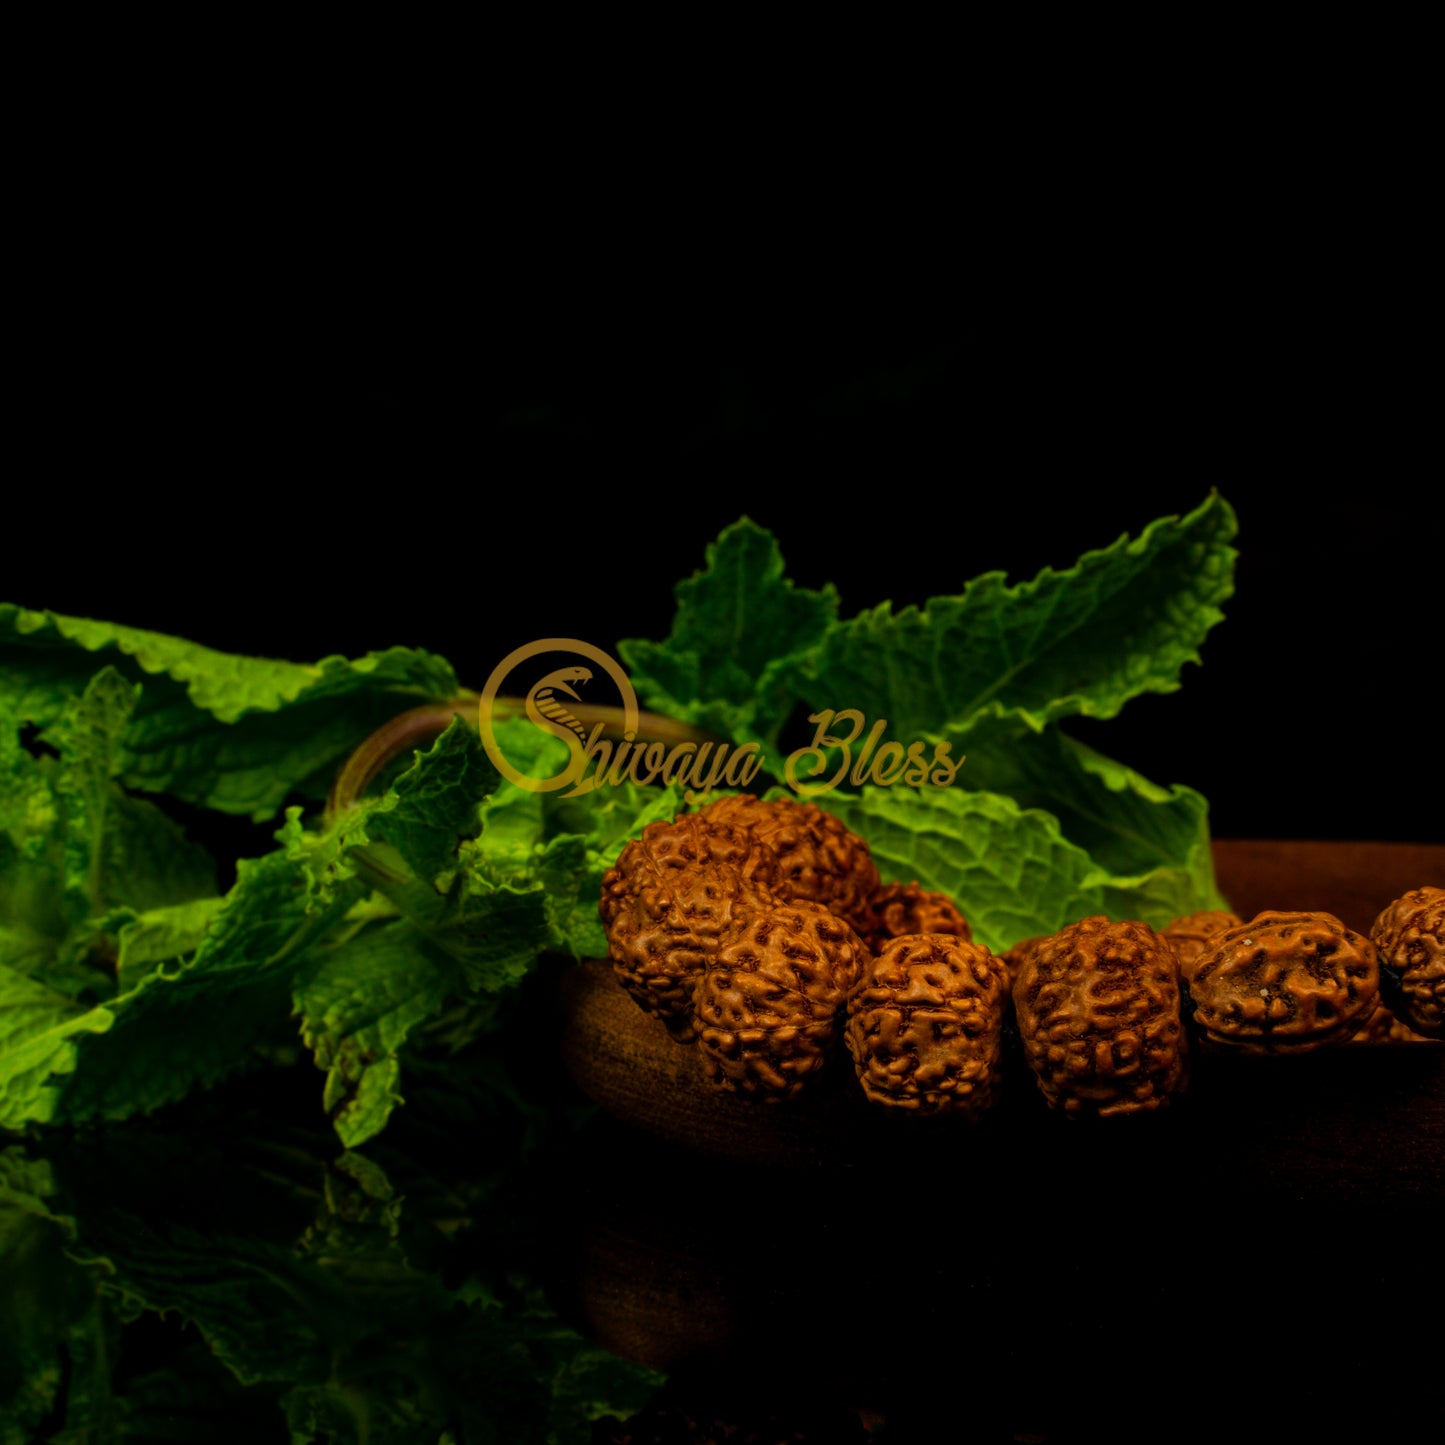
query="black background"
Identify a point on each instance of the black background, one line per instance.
(281, 470)
(296, 465)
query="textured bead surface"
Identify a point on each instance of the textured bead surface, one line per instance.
(925, 1026)
(1192, 934)
(1382, 1027)
(1410, 936)
(818, 860)
(663, 935)
(687, 843)
(898, 909)
(768, 1001)
(678, 889)
(1284, 982)
(1098, 1009)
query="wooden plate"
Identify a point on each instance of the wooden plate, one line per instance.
(1249, 1263)
(626, 1062)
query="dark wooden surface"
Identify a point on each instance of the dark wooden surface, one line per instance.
(1354, 881)
(1254, 1260)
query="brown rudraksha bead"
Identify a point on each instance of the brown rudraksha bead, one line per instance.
(818, 859)
(897, 909)
(1098, 1010)
(662, 936)
(1410, 937)
(689, 842)
(1014, 957)
(1382, 1027)
(1284, 982)
(1192, 934)
(768, 1001)
(925, 1025)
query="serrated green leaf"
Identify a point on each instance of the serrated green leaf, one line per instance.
(741, 628)
(475, 912)
(255, 1302)
(39, 1033)
(78, 856)
(33, 919)
(357, 1004)
(437, 802)
(403, 842)
(1122, 621)
(495, 931)
(161, 935)
(229, 732)
(1010, 869)
(28, 1183)
(1127, 825)
(88, 737)
(174, 1032)
(118, 850)
(514, 820)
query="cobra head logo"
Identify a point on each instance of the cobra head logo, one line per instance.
(547, 705)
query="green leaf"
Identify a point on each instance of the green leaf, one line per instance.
(1120, 622)
(39, 1032)
(161, 935)
(357, 1004)
(515, 820)
(88, 737)
(32, 854)
(26, 1183)
(174, 1032)
(1127, 825)
(989, 671)
(1010, 870)
(406, 842)
(741, 629)
(78, 856)
(208, 1219)
(118, 850)
(494, 930)
(230, 732)
(475, 912)
(437, 802)
(474, 874)
(51, 1323)
(255, 1302)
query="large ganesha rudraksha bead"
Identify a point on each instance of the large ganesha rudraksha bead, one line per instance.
(1284, 982)
(1098, 1010)
(1410, 937)
(768, 1000)
(925, 1025)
